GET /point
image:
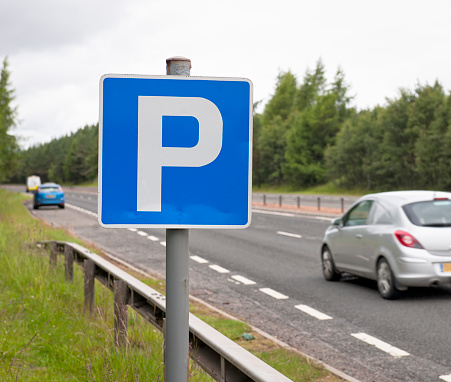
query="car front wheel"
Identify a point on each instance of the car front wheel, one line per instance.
(329, 271)
(386, 283)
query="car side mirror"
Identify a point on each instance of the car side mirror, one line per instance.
(337, 222)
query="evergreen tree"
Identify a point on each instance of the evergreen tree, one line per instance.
(8, 115)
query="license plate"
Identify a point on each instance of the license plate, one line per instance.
(50, 196)
(446, 267)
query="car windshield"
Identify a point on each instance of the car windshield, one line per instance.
(433, 213)
(46, 190)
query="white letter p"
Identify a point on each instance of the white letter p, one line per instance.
(152, 156)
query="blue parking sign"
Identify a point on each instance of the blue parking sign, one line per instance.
(175, 152)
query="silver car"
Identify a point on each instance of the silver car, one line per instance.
(401, 239)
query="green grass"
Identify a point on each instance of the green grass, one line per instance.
(44, 335)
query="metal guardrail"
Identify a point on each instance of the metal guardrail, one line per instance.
(318, 202)
(220, 357)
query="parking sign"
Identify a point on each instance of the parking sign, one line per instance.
(175, 152)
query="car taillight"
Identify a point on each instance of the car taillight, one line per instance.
(408, 240)
(60, 189)
(441, 199)
(38, 190)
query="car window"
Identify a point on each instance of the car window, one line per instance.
(432, 213)
(359, 214)
(46, 190)
(379, 215)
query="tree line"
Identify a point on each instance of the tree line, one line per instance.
(307, 135)
(69, 159)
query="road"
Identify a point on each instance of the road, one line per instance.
(270, 276)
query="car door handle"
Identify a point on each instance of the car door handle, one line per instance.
(358, 236)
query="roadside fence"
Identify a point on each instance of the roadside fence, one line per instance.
(220, 357)
(338, 204)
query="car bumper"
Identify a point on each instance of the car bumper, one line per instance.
(416, 272)
(50, 202)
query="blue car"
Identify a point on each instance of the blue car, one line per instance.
(48, 194)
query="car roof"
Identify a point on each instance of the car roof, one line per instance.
(50, 185)
(400, 198)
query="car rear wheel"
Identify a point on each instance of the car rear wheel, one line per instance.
(329, 271)
(386, 283)
(61, 205)
(35, 206)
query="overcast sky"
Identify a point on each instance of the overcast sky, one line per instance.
(59, 49)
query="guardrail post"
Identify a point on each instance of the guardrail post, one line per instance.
(121, 295)
(342, 205)
(69, 262)
(264, 199)
(90, 268)
(280, 200)
(319, 203)
(299, 201)
(53, 253)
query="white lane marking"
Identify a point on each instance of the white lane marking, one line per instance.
(153, 238)
(295, 235)
(273, 213)
(313, 312)
(324, 218)
(381, 345)
(81, 209)
(141, 233)
(133, 229)
(243, 280)
(219, 269)
(273, 293)
(199, 259)
(446, 378)
(163, 243)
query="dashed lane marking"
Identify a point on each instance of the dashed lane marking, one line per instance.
(142, 233)
(313, 312)
(219, 269)
(153, 238)
(295, 235)
(273, 293)
(132, 229)
(381, 345)
(199, 259)
(446, 378)
(163, 243)
(243, 280)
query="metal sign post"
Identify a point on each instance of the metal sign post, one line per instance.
(177, 280)
(180, 148)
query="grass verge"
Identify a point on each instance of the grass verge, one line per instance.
(44, 335)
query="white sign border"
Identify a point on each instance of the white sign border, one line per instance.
(100, 153)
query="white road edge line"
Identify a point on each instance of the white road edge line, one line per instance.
(243, 280)
(295, 235)
(273, 213)
(199, 259)
(446, 378)
(219, 269)
(381, 345)
(273, 293)
(313, 312)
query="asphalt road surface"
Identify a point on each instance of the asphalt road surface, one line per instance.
(270, 276)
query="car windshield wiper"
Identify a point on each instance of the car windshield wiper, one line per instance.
(437, 225)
